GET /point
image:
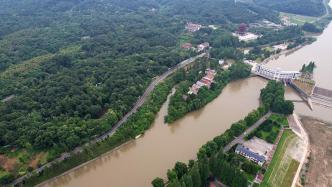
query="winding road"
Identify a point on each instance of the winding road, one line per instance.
(137, 105)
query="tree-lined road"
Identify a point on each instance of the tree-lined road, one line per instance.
(147, 93)
(137, 105)
(240, 139)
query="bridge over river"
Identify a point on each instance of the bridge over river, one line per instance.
(306, 89)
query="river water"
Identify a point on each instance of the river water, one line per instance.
(140, 161)
(321, 53)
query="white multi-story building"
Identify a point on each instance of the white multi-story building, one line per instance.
(275, 74)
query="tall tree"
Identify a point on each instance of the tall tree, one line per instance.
(180, 169)
(195, 176)
(158, 182)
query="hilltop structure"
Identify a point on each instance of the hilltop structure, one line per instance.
(192, 27)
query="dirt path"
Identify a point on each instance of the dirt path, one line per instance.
(319, 168)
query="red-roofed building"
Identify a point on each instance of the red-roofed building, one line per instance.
(207, 81)
(186, 46)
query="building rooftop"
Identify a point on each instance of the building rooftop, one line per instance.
(259, 146)
(186, 46)
(250, 153)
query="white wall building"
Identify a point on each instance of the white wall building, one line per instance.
(275, 74)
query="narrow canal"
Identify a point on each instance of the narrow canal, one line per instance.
(138, 162)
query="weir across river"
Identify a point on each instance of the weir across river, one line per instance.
(309, 92)
(322, 97)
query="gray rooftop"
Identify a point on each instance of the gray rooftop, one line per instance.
(248, 152)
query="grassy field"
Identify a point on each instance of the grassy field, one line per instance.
(288, 179)
(298, 19)
(269, 130)
(282, 168)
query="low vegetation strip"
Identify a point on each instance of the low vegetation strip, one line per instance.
(281, 168)
(289, 177)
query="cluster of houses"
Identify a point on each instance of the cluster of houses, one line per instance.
(207, 81)
(193, 27)
(199, 48)
(256, 150)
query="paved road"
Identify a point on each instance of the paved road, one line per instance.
(138, 104)
(240, 139)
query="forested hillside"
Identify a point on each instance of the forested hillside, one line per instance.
(303, 7)
(69, 62)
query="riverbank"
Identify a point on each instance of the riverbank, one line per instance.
(117, 135)
(170, 143)
(318, 171)
(136, 125)
(182, 103)
(213, 161)
(285, 52)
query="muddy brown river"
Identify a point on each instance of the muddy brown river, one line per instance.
(320, 52)
(140, 161)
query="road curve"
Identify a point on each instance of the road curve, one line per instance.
(137, 105)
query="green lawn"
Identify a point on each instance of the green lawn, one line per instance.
(269, 130)
(299, 19)
(282, 120)
(282, 167)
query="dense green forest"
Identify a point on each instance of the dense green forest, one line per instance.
(104, 72)
(136, 124)
(273, 97)
(64, 64)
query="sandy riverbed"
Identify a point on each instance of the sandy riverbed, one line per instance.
(319, 167)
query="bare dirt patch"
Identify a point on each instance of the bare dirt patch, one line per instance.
(319, 167)
(36, 159)
(7, 163)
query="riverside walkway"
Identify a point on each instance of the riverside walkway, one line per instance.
(109, 133)
(240, 139)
